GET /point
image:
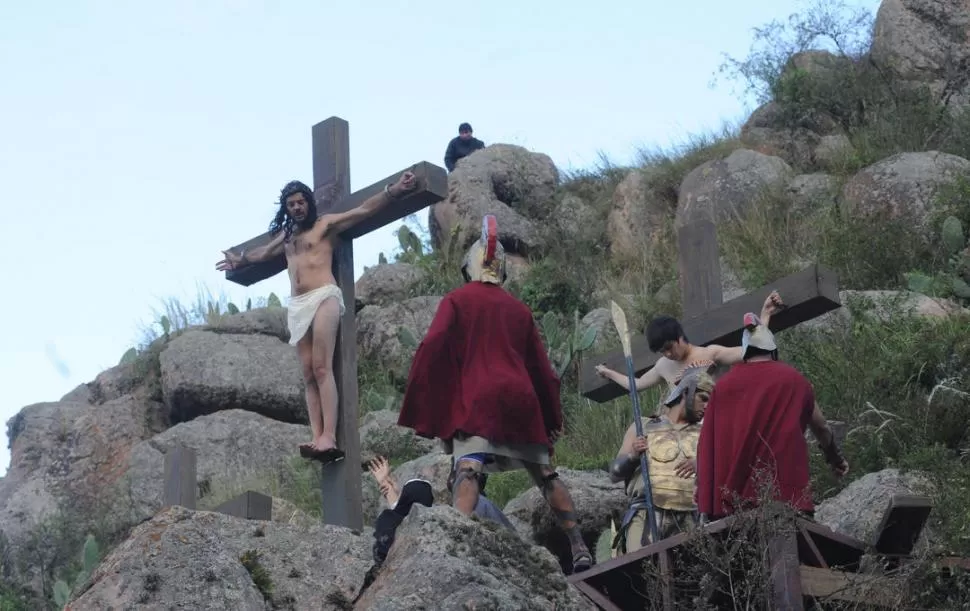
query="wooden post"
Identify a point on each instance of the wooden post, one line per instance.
(180, 484)
(699, 263)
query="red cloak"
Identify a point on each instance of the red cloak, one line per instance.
(482, 369)
(754, 428)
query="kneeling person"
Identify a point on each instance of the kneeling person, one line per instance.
(670, 444)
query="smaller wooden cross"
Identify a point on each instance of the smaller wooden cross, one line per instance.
(341, 481)
(707, 320)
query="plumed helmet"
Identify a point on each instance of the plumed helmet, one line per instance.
(756, 335)
(485, 260)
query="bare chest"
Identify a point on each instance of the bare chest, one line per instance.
(308, 244)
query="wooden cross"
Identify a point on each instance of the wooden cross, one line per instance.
(707, 320)
(341, 481)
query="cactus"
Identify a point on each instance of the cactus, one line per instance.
(953, 237)
(604, 544)
(411, 248)
(567, 347)
(273, 301)
(249, 304)
(90, 556)
(960, 288)
(128, 357)
(232, 309)
(381, 259)
(166, 325)
(406, 337)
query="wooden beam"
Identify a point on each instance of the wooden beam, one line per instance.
(432, 187)
(829, 585)
(596, 597)
(786, 582)
(808, 294)
(249, 506)
(699, 263)
(180, 482)
(901, 524)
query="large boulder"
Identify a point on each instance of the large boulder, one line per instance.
(380, 435)
(884, 306)
(597, 501)
(857, 510)
(442, 560)
(926, 42)
(379, 331)
(205, 372)
(634, 217)
(723, 189)
(386, 284)
(233, 448)
(182, 559)
(903, 186)
(67, 454)
(264, 321)
(514, 184)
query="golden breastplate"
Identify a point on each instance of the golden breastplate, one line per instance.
(668, 447)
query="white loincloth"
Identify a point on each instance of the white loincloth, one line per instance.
(301, 309)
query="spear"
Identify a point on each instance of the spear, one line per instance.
(619, 321)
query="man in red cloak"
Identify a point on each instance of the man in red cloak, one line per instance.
(482, 383)
(752, 439)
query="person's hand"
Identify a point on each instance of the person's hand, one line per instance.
(686, 468)
(772, 305)
(404, 184)
(555, 435)
(639, 446)
(603, 371)
(841, 469)
(231, 261)
(380, 469)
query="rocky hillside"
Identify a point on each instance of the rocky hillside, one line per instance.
(858, 159)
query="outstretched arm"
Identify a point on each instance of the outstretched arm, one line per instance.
(729, 356)
(649, 379)
(256, 255)
(345, 220)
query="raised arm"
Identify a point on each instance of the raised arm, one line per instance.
(649, 379)
(345, 220)
(261, 253)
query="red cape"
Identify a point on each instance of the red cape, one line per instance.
(482, 369)
(754, 427)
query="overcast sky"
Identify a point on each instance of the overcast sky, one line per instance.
(138, 139)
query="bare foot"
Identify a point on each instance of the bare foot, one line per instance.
(324, 443)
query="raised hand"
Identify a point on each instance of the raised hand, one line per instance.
(772, 305)
(404, 184)
(380, 469)
(231, 261)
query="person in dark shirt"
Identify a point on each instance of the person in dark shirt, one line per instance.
(462, 145)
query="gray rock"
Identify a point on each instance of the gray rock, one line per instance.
(194, 560)
(443, 560)
(514, 184)
(381, 435)
(597, 501)
(883, 306)
(386, 284)
(265, 321)
(812, 192)
(204, 372)
(903, 186)
(926, 42)
(725, 188)
(857, 510)
(379, 328)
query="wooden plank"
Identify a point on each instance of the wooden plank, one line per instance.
(786, 582)
(431, 187)
(901, 524)
(180, 483)
(808, 294)
(830, 585)
(340, 482)
(596, 597)
(699, 262)
(837, 549)
(249, 505)
(808, 552)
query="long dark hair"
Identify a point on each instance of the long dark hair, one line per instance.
(283, 221)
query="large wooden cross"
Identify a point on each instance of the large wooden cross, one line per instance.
(807, 294)
(341, 481)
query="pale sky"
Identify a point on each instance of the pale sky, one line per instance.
(139, 139)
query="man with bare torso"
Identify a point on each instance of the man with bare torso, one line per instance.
(316, 302)
(666, 336)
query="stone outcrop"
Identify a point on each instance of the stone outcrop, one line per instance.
(385, 284)
(379, 331)
(514, 184)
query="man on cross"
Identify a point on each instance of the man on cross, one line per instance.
(481, 381)
(666, 336)
(315, 306)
